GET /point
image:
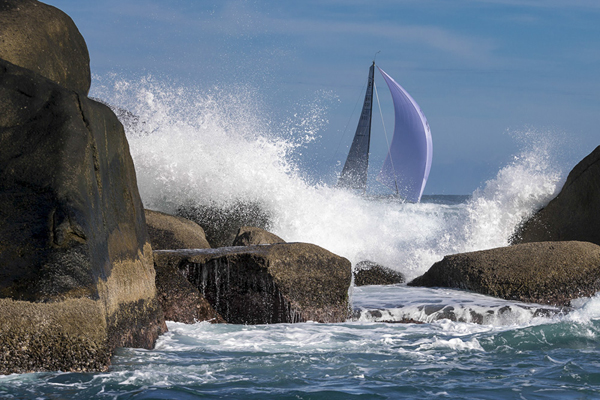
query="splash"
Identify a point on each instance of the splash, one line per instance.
(220, 148)
(528, 183)
(203, 147)
(586, 309)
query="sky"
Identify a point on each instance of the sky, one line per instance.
(484, 72)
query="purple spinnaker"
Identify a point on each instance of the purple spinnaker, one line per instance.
(407, 165)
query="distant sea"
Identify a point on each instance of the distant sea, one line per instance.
(214, 148)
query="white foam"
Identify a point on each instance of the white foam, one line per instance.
(526, 184)
(586, 309)
(453, 308)
(454, 344)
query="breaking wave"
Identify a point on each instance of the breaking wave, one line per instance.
(220, 148)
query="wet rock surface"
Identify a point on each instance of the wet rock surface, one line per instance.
(43, 39)
(370, 273)
(292, 282)
(169, 232)
(552, 273)
(249, 236)
(179, 299)
(574, 214)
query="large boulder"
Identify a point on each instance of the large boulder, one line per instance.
(73, 239)
(551, 273)
(371, 273)
(289, 282)
(170, 232)
(249, 236)
(42, 38)
(574, 214)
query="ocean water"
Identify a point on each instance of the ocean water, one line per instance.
(193, 147)
(515, 355)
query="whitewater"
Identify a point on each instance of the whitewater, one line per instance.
(218, 148)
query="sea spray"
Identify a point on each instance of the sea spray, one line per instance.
(219, 148)
(202, 147)
(522, 187)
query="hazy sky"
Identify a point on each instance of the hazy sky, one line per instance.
(482, 71)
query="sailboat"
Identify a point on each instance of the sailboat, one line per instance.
(408, 162)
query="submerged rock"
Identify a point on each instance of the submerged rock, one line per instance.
(43, 39)
(249, 236)
(551, 273)
(371, 273)
(574, 214)
(72, 231)
(168, 232)
(291, 282)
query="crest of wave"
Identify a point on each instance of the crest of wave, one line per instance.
(217, 153)
(219, 148)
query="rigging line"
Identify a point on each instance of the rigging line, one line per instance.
(386, 136)
(348, 123)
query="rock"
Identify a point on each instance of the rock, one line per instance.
(179, 299)
(248, 236)
(67, 336)
(222, 221)
(130, 121)
(370, 273)
(574, 214)
(42, 38)
(168, 232)
(72, 230)
(288, 282)
(551, 273)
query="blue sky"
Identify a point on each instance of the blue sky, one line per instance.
(480, 70)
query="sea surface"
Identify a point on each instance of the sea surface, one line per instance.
(214, 148)
(514, 355)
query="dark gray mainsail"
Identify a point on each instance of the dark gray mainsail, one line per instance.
(354, 174)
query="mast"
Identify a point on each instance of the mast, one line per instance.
(354, 173)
